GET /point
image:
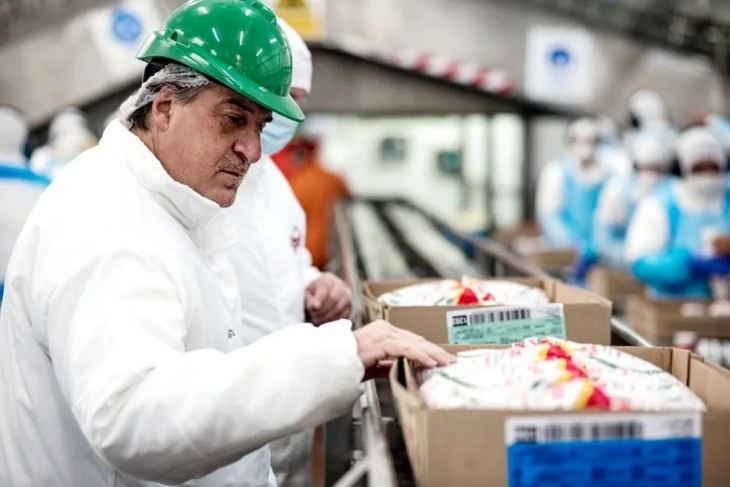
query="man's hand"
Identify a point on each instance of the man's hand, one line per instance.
(328, 299)
(721, 245)
(380, 341)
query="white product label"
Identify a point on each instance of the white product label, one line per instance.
(599, 427)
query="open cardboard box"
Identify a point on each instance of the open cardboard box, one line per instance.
(658, 321)
(587, 315)
(467, 447)
(613, 284)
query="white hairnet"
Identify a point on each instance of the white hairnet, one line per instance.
(697, 145)
(172, 74)
(301, 58)
(651, 151)
(647, 105)
(13, 134)
(584, 127)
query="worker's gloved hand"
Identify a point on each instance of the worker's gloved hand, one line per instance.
(328, 299)
(704, 268)
(380, 341)
(587, 258)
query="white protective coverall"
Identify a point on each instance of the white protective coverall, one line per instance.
(672, 230)
(120, 361)
(620, 197)
(568, 191)
(271, 260)
(19, 187)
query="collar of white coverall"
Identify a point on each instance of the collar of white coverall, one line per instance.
(203, 218)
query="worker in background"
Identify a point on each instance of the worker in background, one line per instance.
(20, 188)
(68, 136)
(649, 114)
(118, 332)
(679, 239)
(568, 191)
(274, 268)
(619, 199)
(317, 190)
(611, 151)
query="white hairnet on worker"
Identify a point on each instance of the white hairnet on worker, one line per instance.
(13, 135)
(671, 237)
(648, 113)
(273, 265)
(619, 199)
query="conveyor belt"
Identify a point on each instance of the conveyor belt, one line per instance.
(374, 436)
(377, 250)
(424, 238)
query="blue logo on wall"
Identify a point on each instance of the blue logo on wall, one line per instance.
(560, 57)
(126, 27)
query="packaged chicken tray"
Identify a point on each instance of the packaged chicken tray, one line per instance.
(465, 292)
(552, 374)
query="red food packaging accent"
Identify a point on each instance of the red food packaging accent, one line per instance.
(598, 400)
(467, 297)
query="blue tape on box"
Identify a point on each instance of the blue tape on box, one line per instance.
(605, 450)
(635, 463)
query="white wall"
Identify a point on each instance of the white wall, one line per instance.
(350, 145)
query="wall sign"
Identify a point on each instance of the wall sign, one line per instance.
(559, 65)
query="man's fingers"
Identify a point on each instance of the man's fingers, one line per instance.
(317, 293)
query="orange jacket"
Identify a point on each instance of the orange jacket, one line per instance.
(317, 191)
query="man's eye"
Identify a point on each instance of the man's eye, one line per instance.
(236, 119)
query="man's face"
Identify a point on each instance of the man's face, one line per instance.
(210, 143)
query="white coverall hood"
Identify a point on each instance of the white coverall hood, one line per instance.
(301, 58)
(648, 107)
(694, 146)
(280, 131)
(119, 334)
(13, 134)
(651, 151)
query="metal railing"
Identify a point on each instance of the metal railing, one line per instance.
(374, 462)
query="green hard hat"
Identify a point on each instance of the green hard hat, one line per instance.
(235, 42)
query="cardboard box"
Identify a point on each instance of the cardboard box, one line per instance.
(467, 447)
(659, 321)
(552, 260)
(613, 284)
(587, 316)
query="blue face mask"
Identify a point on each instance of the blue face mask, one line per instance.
(277, 134)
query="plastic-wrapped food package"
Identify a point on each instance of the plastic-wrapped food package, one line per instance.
(553, 374)
(465, 292)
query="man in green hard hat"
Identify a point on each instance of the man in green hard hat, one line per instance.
(119, 359)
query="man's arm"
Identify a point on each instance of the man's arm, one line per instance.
(117, 334)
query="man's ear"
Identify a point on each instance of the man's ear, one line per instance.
(162, 107)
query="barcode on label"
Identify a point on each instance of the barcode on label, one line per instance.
(498, 316)
(551, 433)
